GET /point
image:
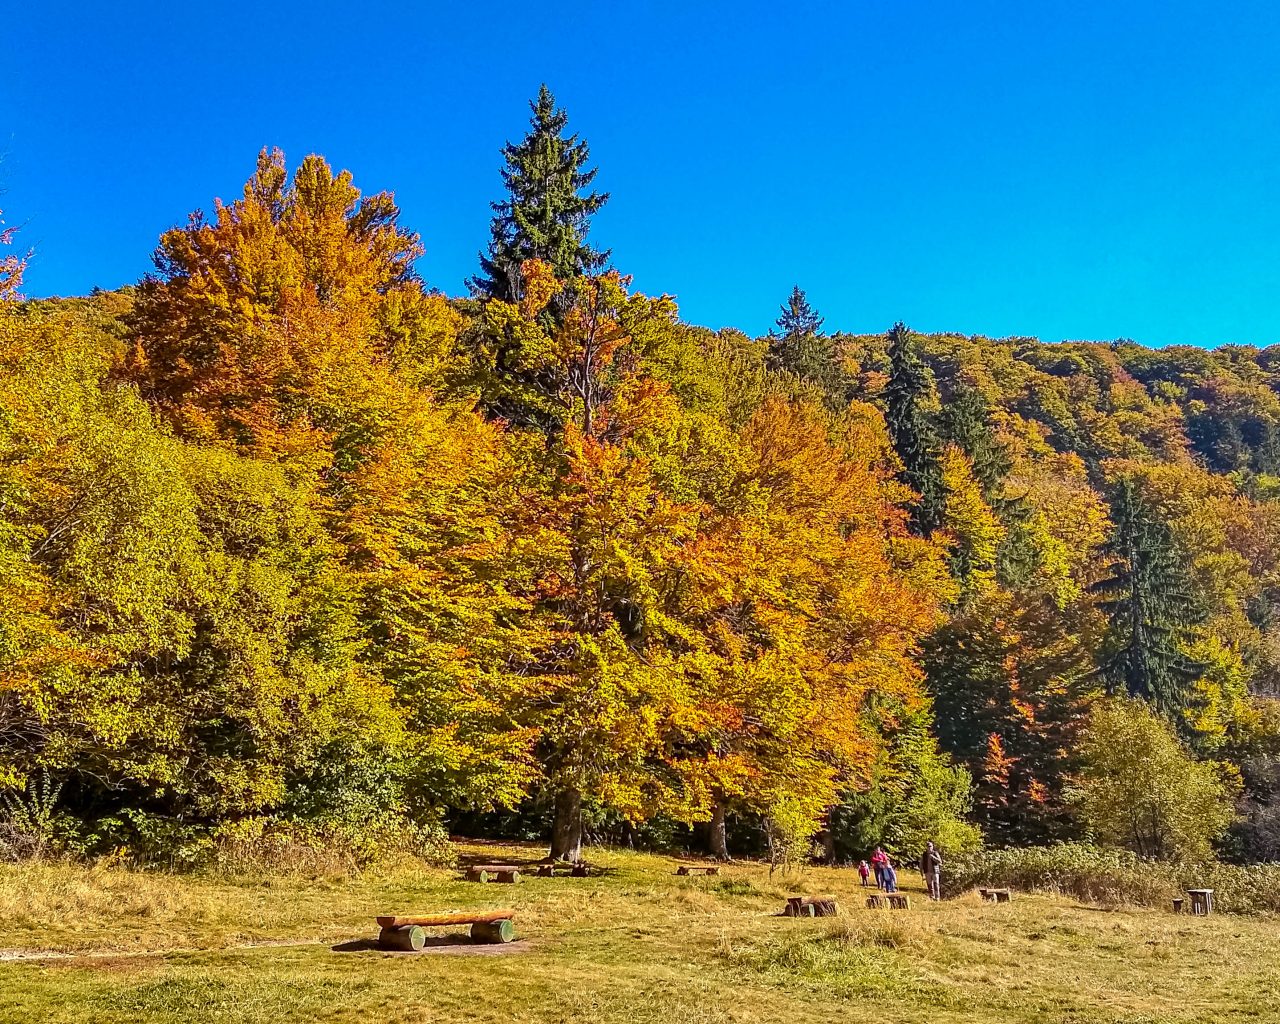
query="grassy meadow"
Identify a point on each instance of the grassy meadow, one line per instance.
(636, 944)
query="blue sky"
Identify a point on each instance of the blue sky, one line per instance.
(1064, 170)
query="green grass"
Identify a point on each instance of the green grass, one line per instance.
(637, 945)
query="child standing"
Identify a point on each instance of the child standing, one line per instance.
(863, 872)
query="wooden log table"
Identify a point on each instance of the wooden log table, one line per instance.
(406, 933)
(1201, 901)
(493, 873)
(698, 869)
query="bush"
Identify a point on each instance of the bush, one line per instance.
(1114, 877)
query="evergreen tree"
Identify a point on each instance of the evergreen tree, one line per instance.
(912, 429)
(1149, 598)
(546, 213)
(967, 422)
(799, 347)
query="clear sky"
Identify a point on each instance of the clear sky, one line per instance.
(1064, 170)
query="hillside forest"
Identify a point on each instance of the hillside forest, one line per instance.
(295, 547)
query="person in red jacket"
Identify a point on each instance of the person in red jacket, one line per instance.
(879, 861)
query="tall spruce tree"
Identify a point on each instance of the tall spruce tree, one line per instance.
(1149, 599)
(547, 211)
(912, 429)
(967, 422)
(799, 347)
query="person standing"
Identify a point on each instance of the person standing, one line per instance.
(863, 872)
(878, 861)
(890, 876)
(931, 870)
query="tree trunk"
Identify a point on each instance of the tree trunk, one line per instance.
(716, 844)
(828, 846)
(566, 830)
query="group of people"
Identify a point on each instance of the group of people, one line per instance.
(887, 875)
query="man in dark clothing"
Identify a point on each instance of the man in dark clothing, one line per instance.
(931, 870)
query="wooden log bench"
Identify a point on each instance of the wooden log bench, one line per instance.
(698, 869)
(406, 933)
(1201, 901)
(493, 873)
(578, 870)
(996, 895)
(811, 906)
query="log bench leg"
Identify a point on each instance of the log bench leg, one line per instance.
(409, 939)
(493, 931)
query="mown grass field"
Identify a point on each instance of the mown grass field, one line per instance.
(635, 945)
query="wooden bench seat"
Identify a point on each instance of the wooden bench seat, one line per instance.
(406, 933)
(996, 895)
(509, 873)
(698, 869)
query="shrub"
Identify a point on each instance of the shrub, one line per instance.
(1114, 877)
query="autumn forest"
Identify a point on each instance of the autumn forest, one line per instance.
(295, 546)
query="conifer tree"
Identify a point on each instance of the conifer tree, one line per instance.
(1149, 598)
(547, 212)
(911, 427)
(799, 347)
(967, 422)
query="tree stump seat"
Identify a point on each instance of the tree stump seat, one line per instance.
(996, 895)
(509, 873)
(898, 900)
(698, 869)
(406, 934)
(811, 906)
(877, 901)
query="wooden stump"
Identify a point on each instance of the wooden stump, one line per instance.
(899, 900)
(876, 902)
(698, 869)
(1177, 905)
(493, 931)
(408, 938)
(580, 871)
(546, 871)
(810, 906)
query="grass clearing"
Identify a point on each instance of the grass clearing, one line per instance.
(637, 945)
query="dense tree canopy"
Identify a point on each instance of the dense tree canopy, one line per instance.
(288, 541)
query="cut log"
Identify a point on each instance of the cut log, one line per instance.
(408, 939)
(811, 906)
(899, 901)
(580, 871)
(697, 869)
(493, 931)
(454, 917)
(546, 870)
(876, 902)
